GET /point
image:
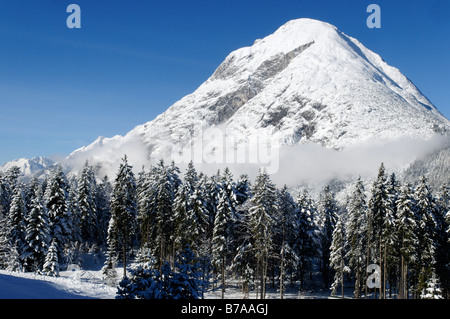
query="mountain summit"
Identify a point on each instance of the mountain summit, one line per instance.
(307, 82)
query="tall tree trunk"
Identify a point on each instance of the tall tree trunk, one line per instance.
(263, 276)
(400, 291)
(405, 287)
(342, 278)
(357, 281)
(282, 273)
(223, 277)
(384, 273)
(381, 270)
(124, 251)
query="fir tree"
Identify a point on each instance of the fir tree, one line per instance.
(406, 234)
(102, 197)
(4, 197)
(222, 235)
(379, 207)
(262, 211)
(356, 234)
(390, 253)
(8, 182)
(87, 205)
(337, 256)
(75, 213)
(328, 217)
(426, 233)
(443, 240)
(228, 186)
(243, 189)
(287, 230)
(307, 243)
(109, 273)
(187, 280)
(147, 282)
(158, 218)
(243, 262)
(37, 232)
(58, 207)
(432, 289)
(51, 265)
(123, 210)
(144, 189)
(190, 211)
(17, 221)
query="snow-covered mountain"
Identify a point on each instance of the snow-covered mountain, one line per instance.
(28, 167)
(306, 84)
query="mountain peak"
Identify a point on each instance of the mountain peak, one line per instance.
(307, 82)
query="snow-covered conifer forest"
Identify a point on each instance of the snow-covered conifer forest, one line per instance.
(164, 233)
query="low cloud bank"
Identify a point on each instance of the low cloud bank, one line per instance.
(291, 165)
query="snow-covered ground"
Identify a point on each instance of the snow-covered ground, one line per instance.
(79, 284)
(74, 283)
(86, 282)
(70, 285)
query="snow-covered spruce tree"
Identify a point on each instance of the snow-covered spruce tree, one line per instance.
(226, 217)
(287, 229)
(380, 224)
(142, 281)
(144, 188)
(221, 240)
(244, 262)
(210, 185)
(262, 211)
(379, 207)
(9, 255)
(338, 261)
(356, 235)
(191, 216)
(4, 197)
(5, 243)
(51, 265)
(37, 232)
(187, 280)
(390, 253)
(146, 281)
(227, 184)
(17, 221)
(406, 235)
(427, 225)
(156, 217)
(102, 197)
(432, 289)
(181, 211)
(109, 273)
(86, 204)
(387, 244)
(60, 217)
(328, 216)
(443, 240)
(243, 189)
(307, 243)
(8, 182)
(72, 182)
(123, 210)
(241, 233)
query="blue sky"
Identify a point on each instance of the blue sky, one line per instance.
(61, 88)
